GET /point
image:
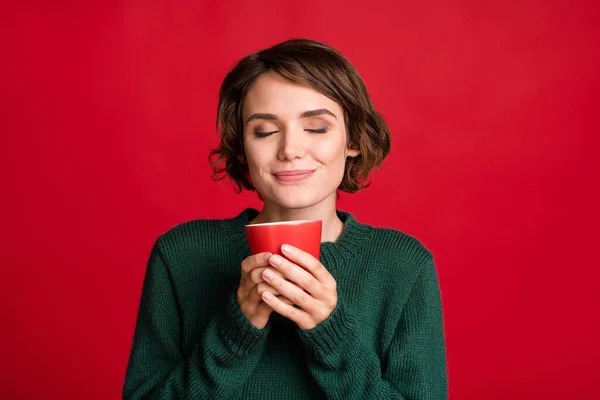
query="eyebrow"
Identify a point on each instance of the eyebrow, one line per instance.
(305, 114)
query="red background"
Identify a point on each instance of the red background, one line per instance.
(108, 114)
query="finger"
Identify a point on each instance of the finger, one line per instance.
(255, 295)
(282, 298)
(263, 309)
(254, 261)
(256, 275)
(296, 274)
(308, 262)
(299, 316)
(285, 300)
(254, 278)
(291, 291)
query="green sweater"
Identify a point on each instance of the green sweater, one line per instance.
(384, 340)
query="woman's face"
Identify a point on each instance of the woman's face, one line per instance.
(295, 142)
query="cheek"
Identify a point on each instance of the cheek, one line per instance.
(257, 155)
(330, 152)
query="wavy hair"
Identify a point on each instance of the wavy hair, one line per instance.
(309, 63)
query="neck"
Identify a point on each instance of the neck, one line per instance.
(325, 211)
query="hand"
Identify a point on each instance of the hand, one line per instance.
(308, 284)
(252, 286)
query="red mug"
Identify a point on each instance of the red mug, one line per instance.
(268, 237)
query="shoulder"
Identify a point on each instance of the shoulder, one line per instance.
(400, 245)
(194, 238)
(399, 256)
(387, 245)
(186, 233)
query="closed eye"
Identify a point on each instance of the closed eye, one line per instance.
(322, 130)
(264, 134)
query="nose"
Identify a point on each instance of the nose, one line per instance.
(291, 145)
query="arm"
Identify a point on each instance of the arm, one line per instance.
(414, 366)
(219, 364)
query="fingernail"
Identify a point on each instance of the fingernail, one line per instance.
(267, 296)
(276, 260)
(268, 274)
(267, 256)
(286, 248)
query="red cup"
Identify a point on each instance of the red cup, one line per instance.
(305, 235)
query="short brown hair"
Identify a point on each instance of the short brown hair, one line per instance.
(309, 63)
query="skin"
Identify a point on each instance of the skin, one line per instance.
(292, 127)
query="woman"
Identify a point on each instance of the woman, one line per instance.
(362, 322)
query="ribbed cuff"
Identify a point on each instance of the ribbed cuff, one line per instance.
(329, 335)
(240, 334)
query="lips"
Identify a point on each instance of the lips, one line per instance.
(293, 176)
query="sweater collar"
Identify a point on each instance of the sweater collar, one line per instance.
(333, 254)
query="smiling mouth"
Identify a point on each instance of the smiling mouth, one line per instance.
(293, 176)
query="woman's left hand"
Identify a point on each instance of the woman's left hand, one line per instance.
(309, 285)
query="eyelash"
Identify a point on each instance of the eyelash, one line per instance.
(265, 134)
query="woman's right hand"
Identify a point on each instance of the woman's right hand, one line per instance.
(252, 285)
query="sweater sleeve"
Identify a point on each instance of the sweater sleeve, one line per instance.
(414, 367)
(220, 363)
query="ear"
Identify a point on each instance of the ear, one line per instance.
(352, 152)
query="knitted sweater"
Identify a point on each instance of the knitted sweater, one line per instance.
(384, 339)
